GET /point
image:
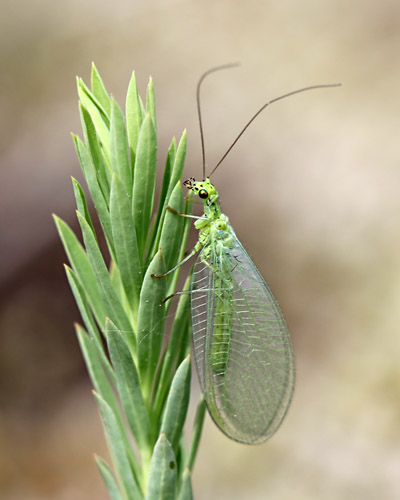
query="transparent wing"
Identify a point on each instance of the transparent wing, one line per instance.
(242, 346)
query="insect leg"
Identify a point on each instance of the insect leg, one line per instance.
(173, 295)
(183, 215)
(197, 247)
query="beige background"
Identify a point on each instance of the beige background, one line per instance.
(312, 191)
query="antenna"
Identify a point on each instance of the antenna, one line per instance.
(203, 76)
(305, 89)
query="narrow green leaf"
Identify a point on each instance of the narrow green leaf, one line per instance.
(175, 176)
(134, 117)
(185, 491)
(197, 430)
(105, 391)
(81, 265)
(95, 150)
(162, 477)
(126, 248)
(85, 94)
(183, 246)
(171, 234)
(184, 346)
(98, 115)
(99, 90)
(151, 102)
(177, 404)
(169, 163)
(96, 193)
(117, 446)
(87, 316)
(179, 336)
(143, 109)
(155, 227)
(129, 390)
(120, 291)
(95, 368)
(114, 309)
(151, 323)
(144, 181)
(108, 478)
(81, 202)
(119, 147)
(179, 164)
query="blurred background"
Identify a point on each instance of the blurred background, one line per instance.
(312, 191)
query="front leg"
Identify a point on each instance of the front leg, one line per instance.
(183, 215)
(196, 248)
(203, 237)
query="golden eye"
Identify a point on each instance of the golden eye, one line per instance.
(203, 194)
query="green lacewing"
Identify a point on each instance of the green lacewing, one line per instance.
(242, 346)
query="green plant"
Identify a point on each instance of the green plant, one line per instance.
(141, 382)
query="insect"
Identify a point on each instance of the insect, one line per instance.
(242, 346)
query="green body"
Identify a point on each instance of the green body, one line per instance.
(241, 343)
(215, 240)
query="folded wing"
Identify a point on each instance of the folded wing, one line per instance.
(242, 346)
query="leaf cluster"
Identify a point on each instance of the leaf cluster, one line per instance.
(141, 385)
